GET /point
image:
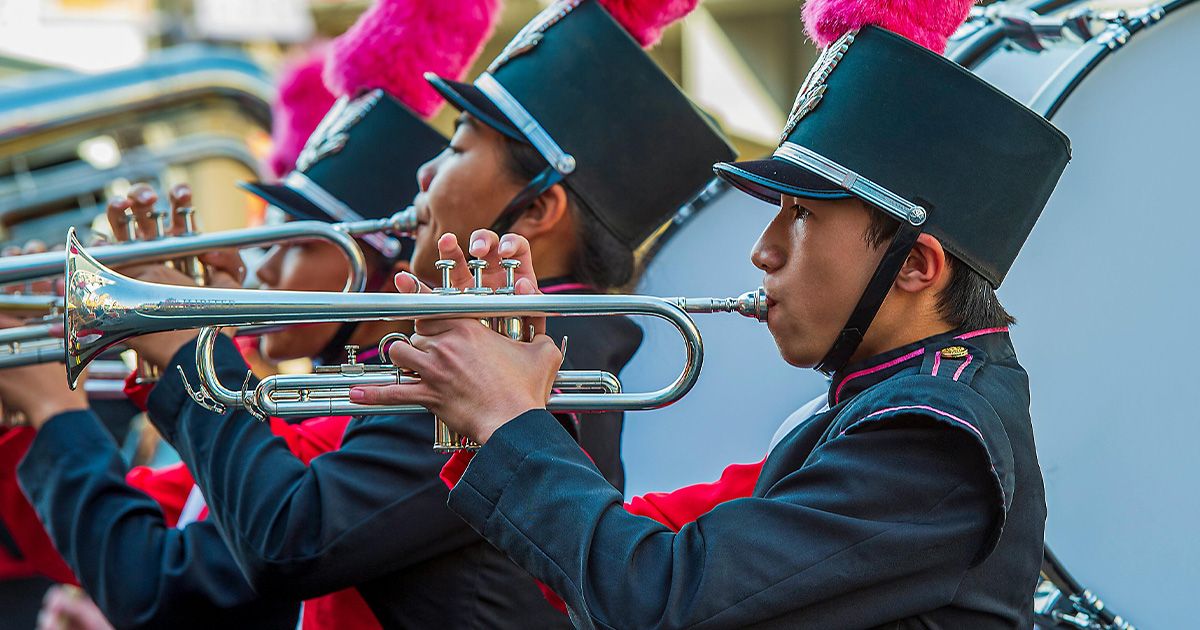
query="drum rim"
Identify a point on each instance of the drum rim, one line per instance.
(1055, 90)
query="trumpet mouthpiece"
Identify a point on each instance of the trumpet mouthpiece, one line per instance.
(751, 304)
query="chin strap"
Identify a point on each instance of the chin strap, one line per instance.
(872, 298)
(520, 203)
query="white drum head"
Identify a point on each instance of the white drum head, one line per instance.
(1106, 293)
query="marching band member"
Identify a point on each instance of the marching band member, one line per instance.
(145, 574)
(367, 514)
(202, 585)
(913, 499)
(301, 93)
(373, 513)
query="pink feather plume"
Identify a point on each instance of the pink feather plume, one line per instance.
(395, 42)
(929, 23)
(299, 107)
(646, 19)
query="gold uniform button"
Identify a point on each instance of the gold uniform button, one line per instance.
(954, 352)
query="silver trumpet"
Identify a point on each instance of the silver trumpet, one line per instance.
(38, 266)
(32, 344)
(41, 304)
(104, 308)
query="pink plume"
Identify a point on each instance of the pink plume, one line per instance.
(298, 109)
(395, 42)
(646, 19)
(929, 23)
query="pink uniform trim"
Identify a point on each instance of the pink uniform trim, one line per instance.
(576, 286)
(912, 407)
(838, 391)
(985, 331)
(959, 371)
(937, 363)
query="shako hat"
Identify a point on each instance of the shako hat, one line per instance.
(919, 137)
(610, 124)
(360, 163)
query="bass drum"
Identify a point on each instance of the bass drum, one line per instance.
(745, 391)
(1105, 290)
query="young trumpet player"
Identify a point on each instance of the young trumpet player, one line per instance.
(373, 514)
(170, 568)
(911, 496)
(187, 578)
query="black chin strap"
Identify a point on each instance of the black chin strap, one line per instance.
(524, 198)
(872, 298)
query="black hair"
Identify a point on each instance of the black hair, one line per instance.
(968, 301)
(601, 261)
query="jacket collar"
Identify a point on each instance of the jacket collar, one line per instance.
(858, 376)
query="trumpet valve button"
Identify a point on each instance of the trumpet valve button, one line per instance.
(445, 266)
(351, 354)
(160, 224)
(510, 266)
(477, 268)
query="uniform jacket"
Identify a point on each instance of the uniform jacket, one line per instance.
(142, 588)
(141, 571)
(371, 514)
(915, 501)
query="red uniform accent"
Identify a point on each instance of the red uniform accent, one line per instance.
(678, 508)
(40, 557)
(673, 509)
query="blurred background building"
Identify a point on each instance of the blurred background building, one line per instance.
(96, 95)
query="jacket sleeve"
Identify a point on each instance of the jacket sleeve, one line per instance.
(371, 507)
(880, 523)
(140, 572)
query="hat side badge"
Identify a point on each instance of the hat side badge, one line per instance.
(813, 88)
(531, 34)
(332, 134)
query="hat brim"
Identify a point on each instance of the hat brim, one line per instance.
(288, 200)
(772, 178)
(468, 98)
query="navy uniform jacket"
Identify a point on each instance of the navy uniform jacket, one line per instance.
(371, 514)
(915, 501)
(140, 572)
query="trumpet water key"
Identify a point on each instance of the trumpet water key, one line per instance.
(104, 308)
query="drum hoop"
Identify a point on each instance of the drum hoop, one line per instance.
(1063, 82)
(982, 43)
(654, 245)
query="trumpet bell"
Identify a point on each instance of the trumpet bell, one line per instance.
(90, 306)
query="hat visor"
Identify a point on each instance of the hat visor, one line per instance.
(288, 200)
(470, 99)
(772, 178)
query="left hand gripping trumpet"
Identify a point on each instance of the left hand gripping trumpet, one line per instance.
(103, 308)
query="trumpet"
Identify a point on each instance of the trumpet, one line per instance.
(33, 344)
(38, 266)
(103, 308)
(39, 304)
